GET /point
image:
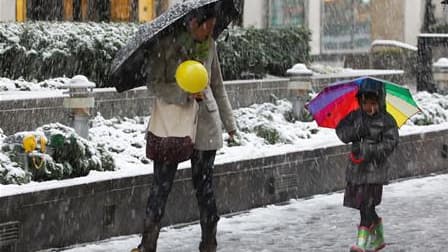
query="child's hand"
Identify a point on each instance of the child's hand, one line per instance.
(355, 160)
(356, 148)
(355, 155)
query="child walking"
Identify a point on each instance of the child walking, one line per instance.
(374, 135)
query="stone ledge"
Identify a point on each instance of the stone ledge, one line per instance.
(136, 102)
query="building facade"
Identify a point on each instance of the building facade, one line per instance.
(344, 26)
(82, 10)
(337, 26)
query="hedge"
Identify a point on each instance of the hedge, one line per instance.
(441, 28)
(44, 50)
(249, 53)
(66, 156)
(395, 58)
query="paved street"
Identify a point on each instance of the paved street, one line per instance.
(414, 211)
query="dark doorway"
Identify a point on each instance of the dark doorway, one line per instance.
(426, 43)
(99, 11)
(77, 12)
(46, 10)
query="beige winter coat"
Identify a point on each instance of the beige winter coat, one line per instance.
(214, 110)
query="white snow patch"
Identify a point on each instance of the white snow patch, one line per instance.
(299, 69)
(395, 43)
(442, 63)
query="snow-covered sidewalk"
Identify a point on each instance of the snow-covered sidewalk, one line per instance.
(414, 213)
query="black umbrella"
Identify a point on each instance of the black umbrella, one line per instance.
(127, 70)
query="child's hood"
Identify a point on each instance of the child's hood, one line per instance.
(369, 85)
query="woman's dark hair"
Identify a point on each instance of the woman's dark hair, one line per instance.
(204, 13)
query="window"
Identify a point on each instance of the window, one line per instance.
(88, 10)
(346, 26)
(45, 9)
(286, 13)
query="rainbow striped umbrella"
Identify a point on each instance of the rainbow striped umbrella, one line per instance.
(336, 101)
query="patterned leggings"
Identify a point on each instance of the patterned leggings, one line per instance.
(202, 175)
(368, 215)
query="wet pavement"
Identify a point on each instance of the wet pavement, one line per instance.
(415, 214)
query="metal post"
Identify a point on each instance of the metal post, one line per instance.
(24, 160)
(80, 101)
(299, 106)
(81, 123)
(300, 85)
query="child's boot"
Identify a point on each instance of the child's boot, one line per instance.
(362, 240)
(136, 250)
(376, 242)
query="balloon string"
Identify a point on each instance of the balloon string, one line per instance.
(38, 166)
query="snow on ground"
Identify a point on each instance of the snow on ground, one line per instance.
(258, 125)
(414, 213)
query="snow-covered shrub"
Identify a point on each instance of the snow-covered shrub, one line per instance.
(23, 85)
(259, 124)
(271, 123)
(434, 109)
(393, 57)
(66, 155)
(271, 135)
(124, 138)
(441, 28)
(11, 172)
(249, 53)
(43, 50)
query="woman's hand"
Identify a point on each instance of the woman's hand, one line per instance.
(198, 96)
(232, 135)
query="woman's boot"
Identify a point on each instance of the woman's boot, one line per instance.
(208, 237)
(362, 240)
(150, 236)
(376, 242)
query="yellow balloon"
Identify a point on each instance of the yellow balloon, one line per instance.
(29, 143)
(192, 76)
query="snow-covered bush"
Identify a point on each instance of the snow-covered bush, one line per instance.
(395, 56)
(441, 28)
(11, 172)
(23, 85)
(42, 50)
(272, 124)
(434, 109)
(65, 155)
(123, 139)
(249, 53)
(259, 124)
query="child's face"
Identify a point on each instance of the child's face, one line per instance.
(370, 106)
(202, 32)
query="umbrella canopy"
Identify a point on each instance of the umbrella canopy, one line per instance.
(335, 102)
(127, 66)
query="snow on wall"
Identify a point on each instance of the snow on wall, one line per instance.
(394, 43)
